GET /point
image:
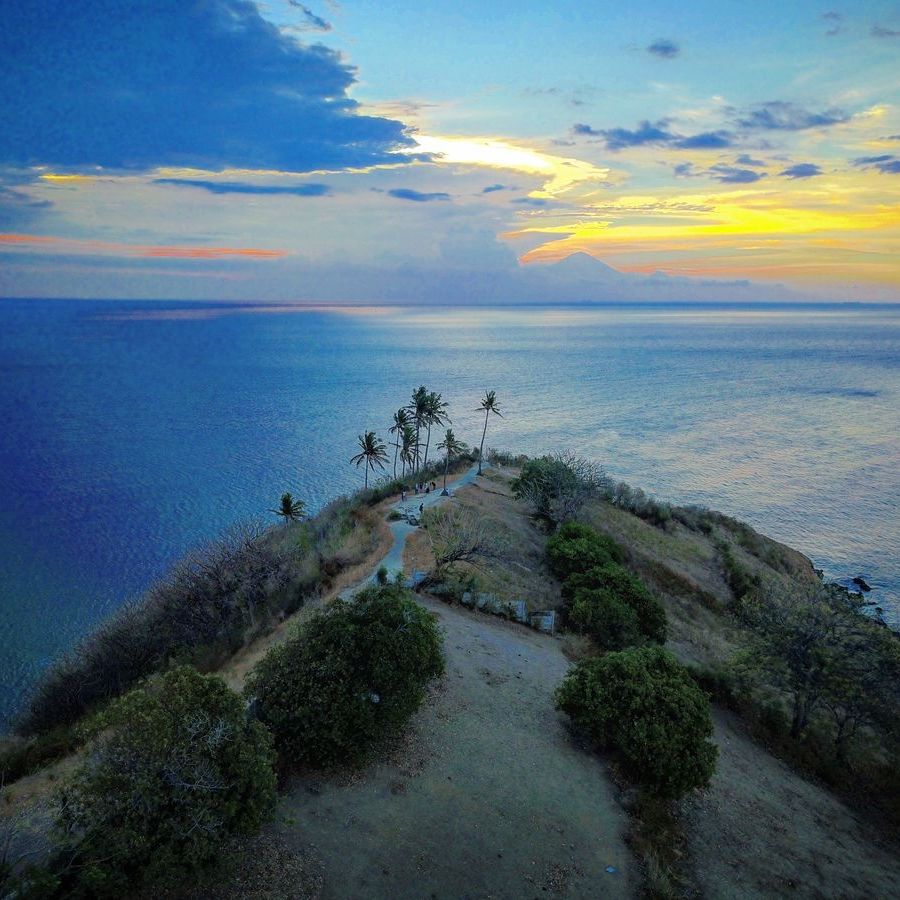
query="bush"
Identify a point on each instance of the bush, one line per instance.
(177, 770)
(557, 486)
(352, 675)
(505, 458)
(609, 586)
(605, 617)
(645, 707)
(205, 606)
(575, 548)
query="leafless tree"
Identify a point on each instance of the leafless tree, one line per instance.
(457, 534)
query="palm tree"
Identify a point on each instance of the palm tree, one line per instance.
(451, 447)
(435, 414)
(418, 406)
(372, 453)
(290, 510)
(407, 447)
(489, 405)
(401, 420)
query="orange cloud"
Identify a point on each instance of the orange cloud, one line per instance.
(110, 248)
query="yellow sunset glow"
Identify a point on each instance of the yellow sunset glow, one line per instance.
(561, 173)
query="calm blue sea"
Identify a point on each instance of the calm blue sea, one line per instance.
(133, 431)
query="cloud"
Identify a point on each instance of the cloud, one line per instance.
(18, 208)
(801, 170)
(495, 187)
(110, 248)
(664, 48)
(746, 160)
(734, 175)
(779, 115)
(529, 201)
(653, 133)
(209, 86)
(886, 163)
(684, 170)
(618, 138)
(880, 31)
(835, 22)
(238, 187)
(417, 196)
(707, 140)
(312, 22)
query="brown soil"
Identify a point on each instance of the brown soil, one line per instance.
(761, 830)
(486, 796)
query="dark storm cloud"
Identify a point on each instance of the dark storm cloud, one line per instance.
(209, 85)
(311, 20)
(664, 49)
(834, 21)
(657, 133)
(801, 170)
(18, 208)
(734, 175)
(779, 115)
(707, 140)
(887, 163)
(239, 187)
(417, 196)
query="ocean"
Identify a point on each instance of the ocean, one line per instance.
(133, 431)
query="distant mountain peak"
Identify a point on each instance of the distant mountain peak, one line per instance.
(582, 265)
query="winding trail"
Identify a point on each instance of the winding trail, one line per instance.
(401, 529)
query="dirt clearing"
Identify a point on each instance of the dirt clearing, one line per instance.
(487, 796)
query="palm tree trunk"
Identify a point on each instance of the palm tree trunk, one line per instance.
(367, 474)
(487, 412)
(396, 449)
(427, 442)
(446, 466)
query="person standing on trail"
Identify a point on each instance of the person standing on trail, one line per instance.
(421, 508)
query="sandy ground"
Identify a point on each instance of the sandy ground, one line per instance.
(486, 796)
(763, 831)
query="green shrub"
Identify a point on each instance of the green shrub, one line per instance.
(613, 584)
(576, 548)
(645, 707)
(605, 617)
(352, 674)
(177, 769)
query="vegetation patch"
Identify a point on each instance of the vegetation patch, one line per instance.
(610, 593)
(576, 548)
(351, 676)
(642, 705)
(177, 770)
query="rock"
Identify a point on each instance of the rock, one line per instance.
(860, 582)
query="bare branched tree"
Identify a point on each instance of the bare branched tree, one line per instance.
(457, 534)
(557, 486)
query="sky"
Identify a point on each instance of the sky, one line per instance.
(434, 152)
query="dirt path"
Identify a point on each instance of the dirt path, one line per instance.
(401, 529)
(486, 797)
